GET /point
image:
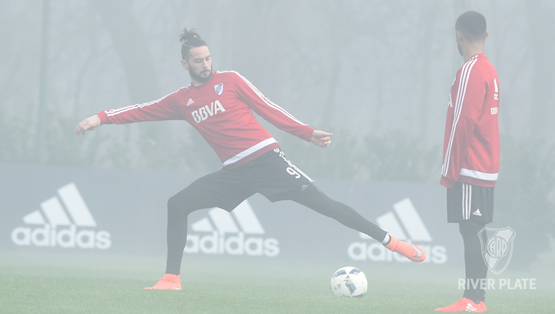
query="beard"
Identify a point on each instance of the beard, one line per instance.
(197, 77)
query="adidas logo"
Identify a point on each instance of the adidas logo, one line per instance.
(53, 216)
(190, 102)
(409, 218)
(470, 308)
(235, 233)
(477, 212)
(405, 223)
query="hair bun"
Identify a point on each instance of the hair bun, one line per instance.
(190, 39)
(186, 35)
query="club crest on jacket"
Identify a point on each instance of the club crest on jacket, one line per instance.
(219, 88)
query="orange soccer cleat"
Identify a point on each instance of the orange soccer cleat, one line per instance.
(168, 282)
(410, 251)
(464, 305)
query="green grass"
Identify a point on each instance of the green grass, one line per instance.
(71, 283)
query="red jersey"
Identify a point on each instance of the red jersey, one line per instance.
(220, 110)
(471, 144)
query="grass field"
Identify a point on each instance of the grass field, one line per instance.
(70, 283)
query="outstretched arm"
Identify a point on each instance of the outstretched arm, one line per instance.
(164, 108)
(268, 110)
(89, 123)
(321, 138)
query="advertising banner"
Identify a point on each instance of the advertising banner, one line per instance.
(58, 209)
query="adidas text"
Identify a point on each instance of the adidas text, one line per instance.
(376, 252)
(237, 244)
(207, 111)
(66, 238)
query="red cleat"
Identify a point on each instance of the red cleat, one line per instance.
(464, 305)
(410, 251)
(168, 282)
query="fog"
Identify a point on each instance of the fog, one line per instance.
(376, 73)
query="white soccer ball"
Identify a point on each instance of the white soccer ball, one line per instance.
(349, 282)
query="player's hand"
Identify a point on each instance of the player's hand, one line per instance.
(321, 138)
(89, 123)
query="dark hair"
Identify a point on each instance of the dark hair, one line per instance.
(190, 39)
(472, 25)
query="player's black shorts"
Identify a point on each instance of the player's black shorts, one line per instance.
(270, 174)
(469, 202)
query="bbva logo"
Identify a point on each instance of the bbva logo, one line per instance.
(235, 233)
(207, 111)
(414, 227)
(57, 229)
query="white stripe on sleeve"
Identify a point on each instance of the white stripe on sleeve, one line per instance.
(465, 74)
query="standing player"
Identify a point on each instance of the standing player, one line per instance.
(218, 105)
(471, 153)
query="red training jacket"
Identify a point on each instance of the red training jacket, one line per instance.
(471, 144)
(220, 110)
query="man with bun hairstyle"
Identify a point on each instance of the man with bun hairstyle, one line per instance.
(471, 154)
(219, 105)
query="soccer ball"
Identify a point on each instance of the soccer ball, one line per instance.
(349, 282)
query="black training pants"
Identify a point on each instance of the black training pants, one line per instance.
(188, 201)
(475, 266)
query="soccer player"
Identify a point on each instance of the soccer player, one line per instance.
(471, 153)
(219, 105)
